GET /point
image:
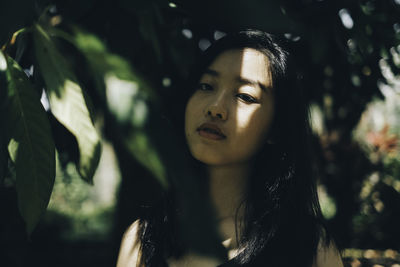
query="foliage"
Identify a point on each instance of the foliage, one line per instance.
(31, 146)
(378, 134)
(88, 214)
(67, 100)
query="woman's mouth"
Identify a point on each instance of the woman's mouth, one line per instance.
(211, 131)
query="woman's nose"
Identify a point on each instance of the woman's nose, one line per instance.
(217, 111)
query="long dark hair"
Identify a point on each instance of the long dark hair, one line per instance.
(283, 222)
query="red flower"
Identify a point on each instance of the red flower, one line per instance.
(382, 140)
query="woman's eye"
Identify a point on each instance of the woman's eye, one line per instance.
(247, 98)
(204, 87)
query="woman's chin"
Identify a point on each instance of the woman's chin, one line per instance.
(208, 159)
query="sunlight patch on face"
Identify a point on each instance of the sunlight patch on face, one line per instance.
(255, 66)
(245, 118)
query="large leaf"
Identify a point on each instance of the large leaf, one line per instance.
(68, 102)
(3, 132)
(31, 147)
(127, 96)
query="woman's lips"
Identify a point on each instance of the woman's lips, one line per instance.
(211, 131)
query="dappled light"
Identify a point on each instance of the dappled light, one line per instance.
(87, 210)
(346, 18)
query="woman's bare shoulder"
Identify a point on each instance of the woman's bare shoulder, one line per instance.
(328, 255)
(129, 251)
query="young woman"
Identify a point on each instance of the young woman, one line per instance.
(247, 123)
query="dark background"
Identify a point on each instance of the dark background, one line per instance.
(347, 53)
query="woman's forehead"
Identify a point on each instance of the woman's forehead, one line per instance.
(246, 64)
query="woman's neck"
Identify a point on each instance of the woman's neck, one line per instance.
(228, 186)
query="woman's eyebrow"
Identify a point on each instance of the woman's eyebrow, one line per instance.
(253, 83)
(211, 72)
(241, 80)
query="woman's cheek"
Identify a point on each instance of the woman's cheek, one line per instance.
(253, 130)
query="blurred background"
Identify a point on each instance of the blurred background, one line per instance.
(126, 62)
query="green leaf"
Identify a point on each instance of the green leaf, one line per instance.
(127, 96)
(3, 101)
(31, 147)
(105, 64)
(68, 102)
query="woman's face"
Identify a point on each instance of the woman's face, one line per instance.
(228, 117)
